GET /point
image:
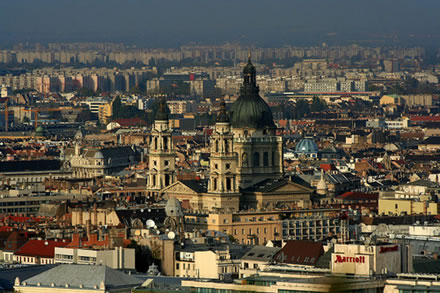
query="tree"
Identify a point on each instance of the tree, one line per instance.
(116, 108)
(318, 105)
(301, 109)
(86, 115)
(143, 256)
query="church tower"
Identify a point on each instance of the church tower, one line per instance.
(161, 163)
(259, 150)
(223, 160)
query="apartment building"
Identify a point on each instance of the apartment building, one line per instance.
(117, 258)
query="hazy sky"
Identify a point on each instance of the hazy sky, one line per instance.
(175, 22)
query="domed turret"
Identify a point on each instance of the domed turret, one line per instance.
(40, 131)
(250, 110)
(306, 146)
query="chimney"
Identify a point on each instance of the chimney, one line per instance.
(88, 226)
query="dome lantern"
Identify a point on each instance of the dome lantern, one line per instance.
(250, 110)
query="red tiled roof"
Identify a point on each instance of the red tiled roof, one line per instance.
(424, 118)
(126, 122)
(359, 196)
(327, 167)
(300, 252)
(5, 228)
(18, 219)
(41, 248)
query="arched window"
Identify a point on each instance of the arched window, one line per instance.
(167, 179)
(214, 184)
(228, 184)
(266, 159)
(165, 143)
(256, 159)
(244, 160)
(226, 146)
(155, 143)
(216, 146)
(154, 180)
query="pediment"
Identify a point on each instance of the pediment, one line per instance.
(290, 187)
(178, 188)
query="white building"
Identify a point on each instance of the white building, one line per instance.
(366, 260)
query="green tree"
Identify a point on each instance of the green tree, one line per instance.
(116, 108)
(143, 256)
(318, 105)
(302, 109)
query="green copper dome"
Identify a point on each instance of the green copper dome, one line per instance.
(250, 110)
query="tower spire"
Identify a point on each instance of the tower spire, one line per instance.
(222, 115)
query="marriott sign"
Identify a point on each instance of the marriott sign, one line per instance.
(352, 259)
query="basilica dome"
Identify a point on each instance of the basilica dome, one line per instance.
(306, 146)
(250, 110)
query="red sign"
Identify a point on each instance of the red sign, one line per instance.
(344, 259)
(388, 249)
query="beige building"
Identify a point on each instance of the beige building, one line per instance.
(410, 199)
(206, 262)
(256, 259)
(117, 258)
(260, 227)
(93, 162)
(391, 100)
(105, 113)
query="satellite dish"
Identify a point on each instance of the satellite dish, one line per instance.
(150, 223)
(171, 235)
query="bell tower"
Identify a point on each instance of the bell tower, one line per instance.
(223, 160)
(161, 163)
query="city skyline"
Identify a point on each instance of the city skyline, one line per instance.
(263, 23)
